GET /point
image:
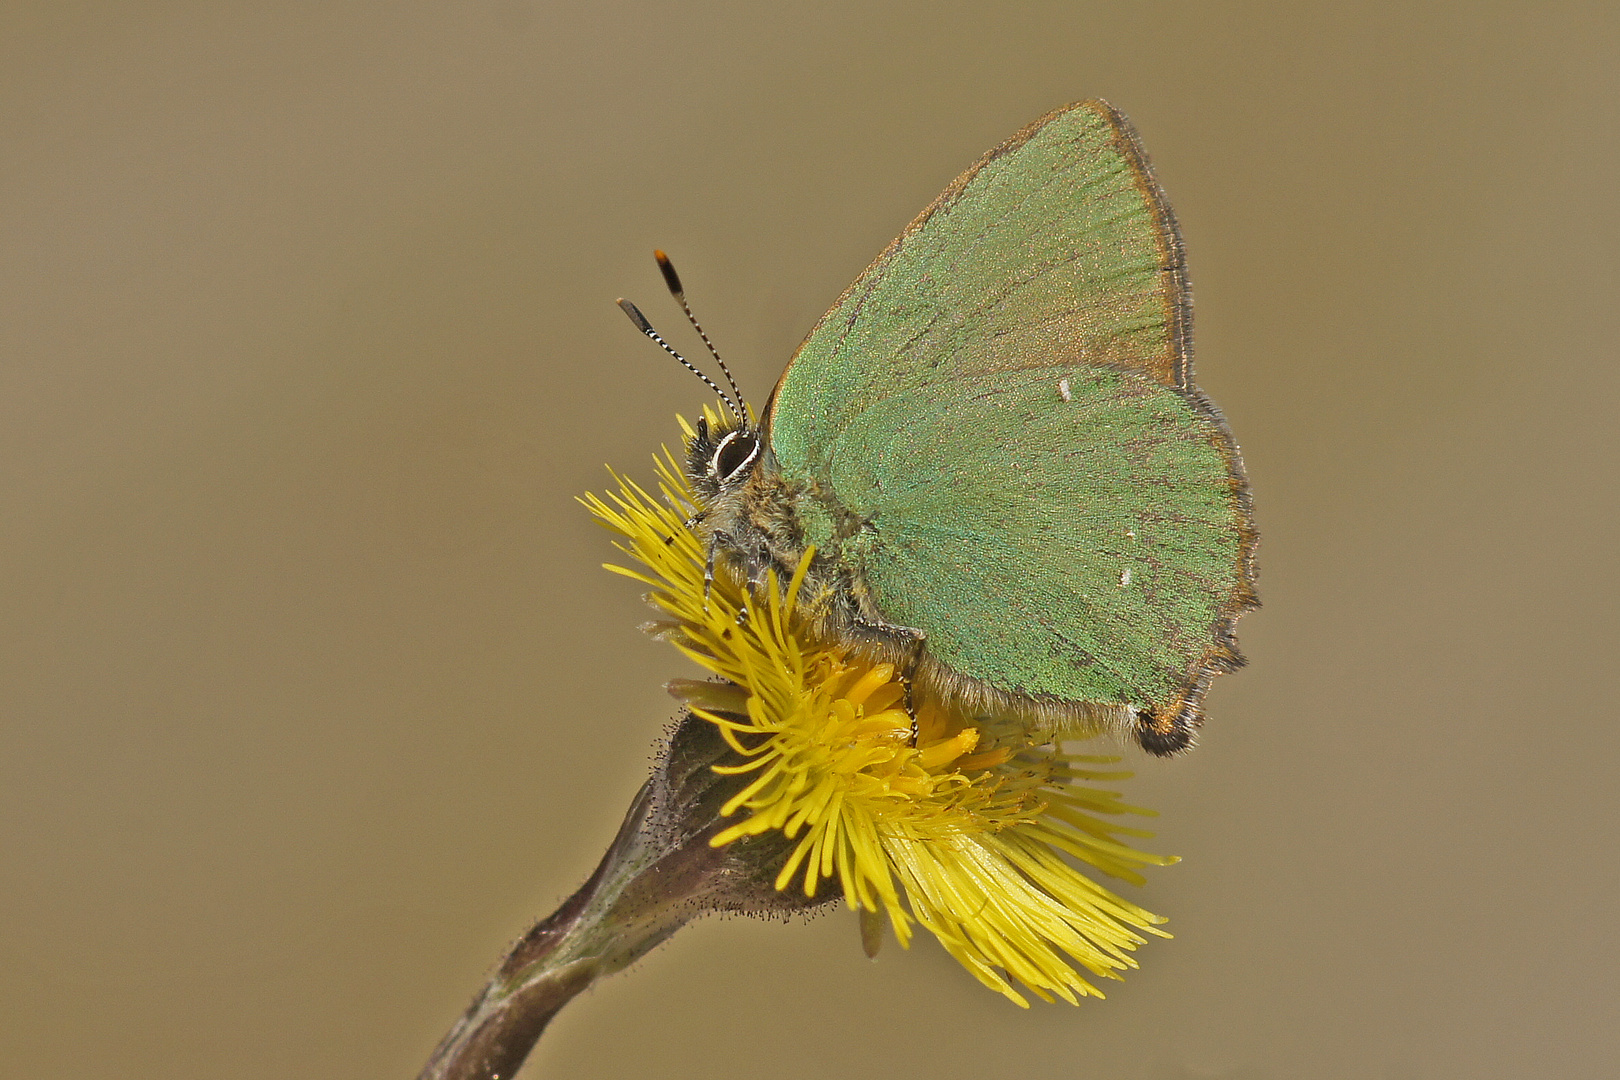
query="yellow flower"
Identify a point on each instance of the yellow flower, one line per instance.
(963, 830)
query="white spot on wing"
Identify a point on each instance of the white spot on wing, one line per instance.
(1125, 577)
(1063, 390)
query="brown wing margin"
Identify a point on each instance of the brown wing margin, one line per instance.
(1172, 256)
(1172, 727)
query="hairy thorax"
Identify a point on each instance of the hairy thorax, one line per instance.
(756, 523)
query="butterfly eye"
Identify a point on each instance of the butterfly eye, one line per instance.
(735, 453)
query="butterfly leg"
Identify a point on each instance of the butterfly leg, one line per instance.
(715, 540)
(909, 681)
(913, 641)
(690, 523)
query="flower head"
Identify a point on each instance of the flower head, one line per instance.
(965, 825)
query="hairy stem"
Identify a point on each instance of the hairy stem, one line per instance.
(638, 896)
(659, 873)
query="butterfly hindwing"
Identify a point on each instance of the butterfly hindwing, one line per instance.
(1074, 547)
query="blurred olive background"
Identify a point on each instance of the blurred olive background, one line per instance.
(313, 694)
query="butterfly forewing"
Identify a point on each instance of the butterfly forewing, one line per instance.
(1055, 248)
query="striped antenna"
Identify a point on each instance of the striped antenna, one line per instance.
(673, 281)
(646, 328)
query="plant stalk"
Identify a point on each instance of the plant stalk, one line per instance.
(659, 873)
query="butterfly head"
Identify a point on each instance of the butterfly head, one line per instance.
(721, 458)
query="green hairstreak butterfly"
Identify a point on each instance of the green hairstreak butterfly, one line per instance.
(994, 445)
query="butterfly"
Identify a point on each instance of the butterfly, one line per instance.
(994, 447)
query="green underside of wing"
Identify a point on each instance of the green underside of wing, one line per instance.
(1050, 254)
(1083, 549)
(1079, 549)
